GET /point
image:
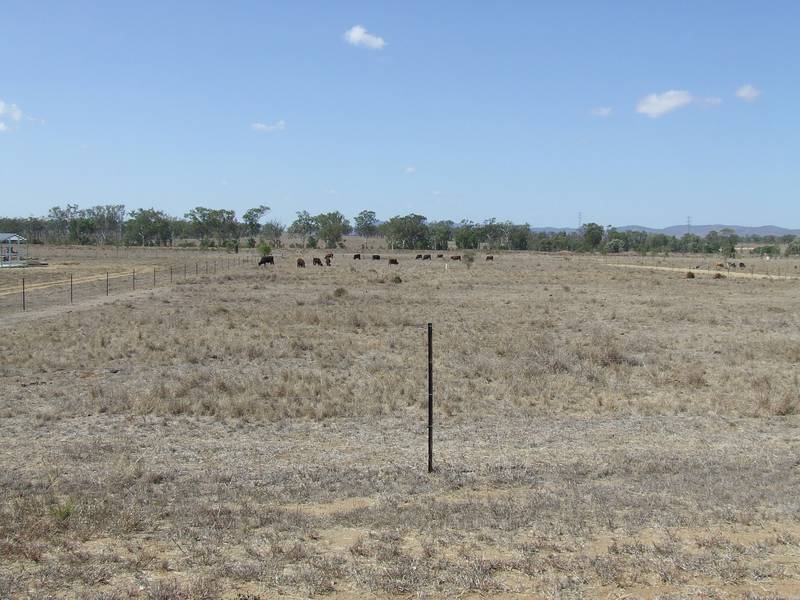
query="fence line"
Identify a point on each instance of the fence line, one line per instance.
(25, 287)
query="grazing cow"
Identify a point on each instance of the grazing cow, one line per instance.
(418, 257)
(456, 257)
(317, 262)
(376, 257)
(426, 257)
(489, 257)
(741, 265)
(357, 256)
(440, 256)
(393, 261)
(266, 260)
(329, 255)
(301, 264)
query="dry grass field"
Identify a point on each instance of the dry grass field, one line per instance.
(603, 431)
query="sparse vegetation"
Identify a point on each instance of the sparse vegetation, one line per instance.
(599, 431)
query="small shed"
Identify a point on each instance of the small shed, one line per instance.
(13, 250)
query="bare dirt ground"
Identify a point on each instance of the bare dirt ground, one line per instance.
(601, 432)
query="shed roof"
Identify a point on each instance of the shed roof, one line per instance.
(11, 237)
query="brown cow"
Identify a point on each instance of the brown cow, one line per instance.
(357, 256)
(456, 257)
(440, 256)
(327, 262)
(489, 257)
(376, 257)
(329, 255)
(393, 261)
(317, 262)
(301, 264)
(426, 257)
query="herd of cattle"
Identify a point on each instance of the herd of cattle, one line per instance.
(731, 264)
(317, 262)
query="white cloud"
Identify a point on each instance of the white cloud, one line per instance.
(710, 101)
(269, 127)
(410, 169)
(601, 111)
(358, 36)
(3, 127)
(10, 111)
(748, 93)
(657, 105)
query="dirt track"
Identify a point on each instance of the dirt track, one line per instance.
(746, 275)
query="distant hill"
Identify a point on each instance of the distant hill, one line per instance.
(553, 229)
(701, 230)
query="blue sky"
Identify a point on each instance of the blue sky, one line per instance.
(525, 111)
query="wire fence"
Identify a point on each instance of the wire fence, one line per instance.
(34, 290)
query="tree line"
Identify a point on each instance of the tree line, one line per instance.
(209, 227)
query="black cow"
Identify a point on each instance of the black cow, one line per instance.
(266, 260)
(329, 255)
(301, 264)
(393, 261)
(741, 265)
(489, 257)
(440, 256)
(317, 262)
(327, 262)
(418, 257)
(426, 257)
(357, 256)
(456, 257)
(376, 257)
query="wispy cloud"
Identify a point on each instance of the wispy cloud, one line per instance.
(657, 105)
(410, 169)
(710, 101)
(601, 111)
(748, 93)
(10, 111)
(359, 36)
(9, 115)
(268, 127)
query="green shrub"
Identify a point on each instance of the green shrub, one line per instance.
(264, 248)
(63, 512)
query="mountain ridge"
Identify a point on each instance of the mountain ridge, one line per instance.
(679, 230)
